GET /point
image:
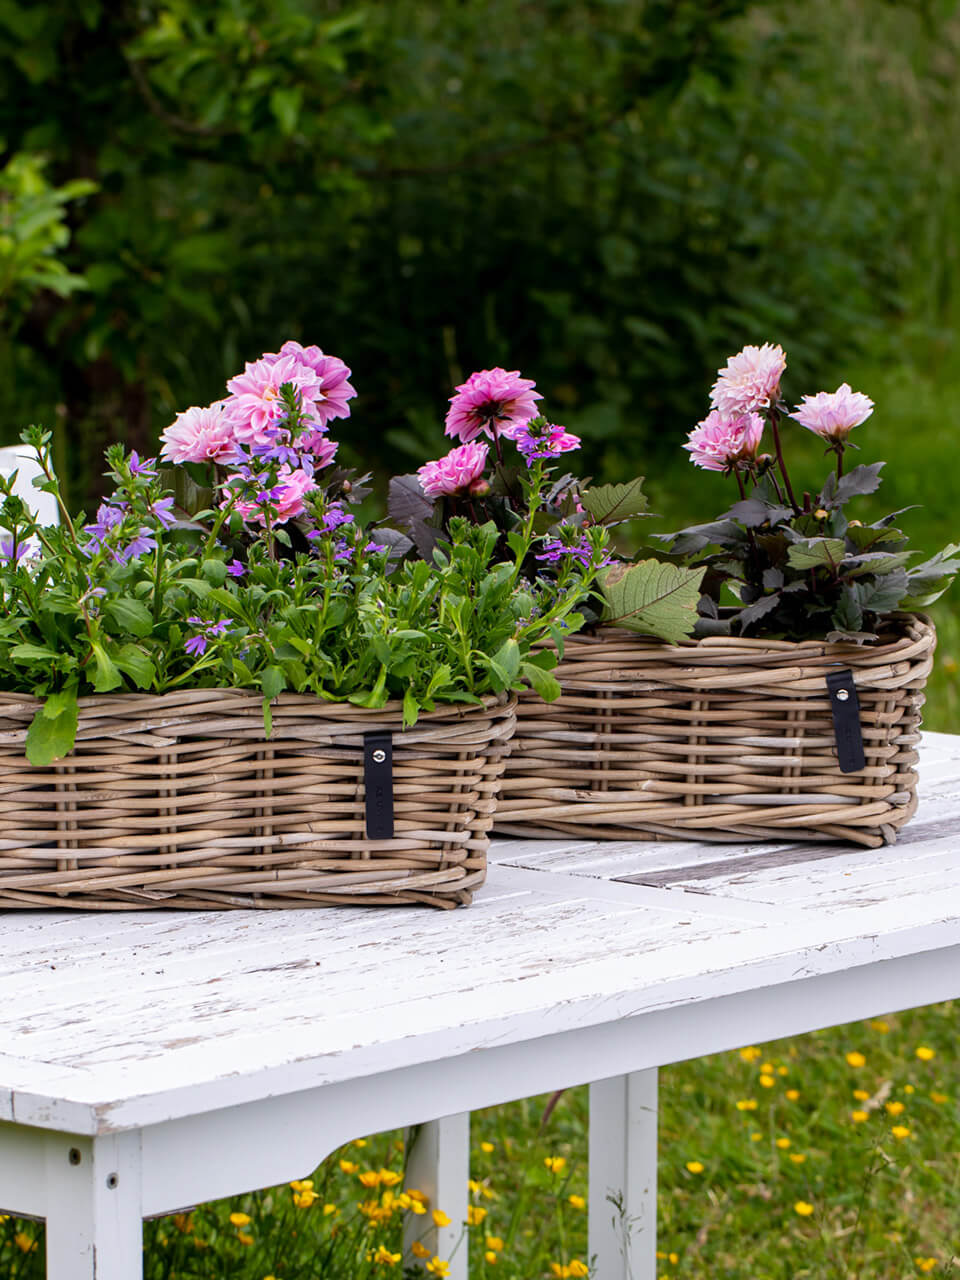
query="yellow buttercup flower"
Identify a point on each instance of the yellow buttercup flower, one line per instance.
(578, 1202)
(490, 1257)
(390, 1179)
(746, 1104)
(939, 1098)
(329, 1209)
(369, 1178)
(783, 1071)
(417, 1207)
(182, 1221)
(304, 1199)
(440, 1219)
(244, 1238)
(418, 1250)
(578, 1268)
(360, 1142)
(855, 1059)
(414, 1194)
(437, 1267)
(878, 1024)
(858, 1117)
(384, 1258)
(900, 1131)
(755, 1137)
(792, 1095)
(475, 1215)
(797, 1157)
(694, 1166)
(347, 1166)
(783, 1143)
(24, 1243)
(925, 1053)
(895, 1108)
(751, 1053)
(240, 1219)
(803, 1208)
(556, 1164)
(486, 1147)
(495, 1243)
(861, 1095)
(908, 1088)
(925, 1264)
(767, 1081)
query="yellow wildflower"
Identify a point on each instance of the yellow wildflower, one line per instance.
(240, 1219)
(797, 1157)
(895, 1108)
(560, 1270)
(939, 1098)
(783, 1143)
(694, 1166)
(490, 1257)
(417, 1207)
(926, 1264)
(783, 1071)
(792, 1095)
(900, 1131)
(803, 1208)
(369, 1178)
(328, 1209)
(182, 1221)
(475, 1215)
(23, 1242)
(878, 1024)
(855, 1059)
(244, 1238)
(767, 1081)
(861, 1095)
(360, 1142)
(751, 1053)
(556, 1164)
(347, 1166)
(908, 1088)
(495, 1243)
(925, 1053)
(304, 1199)
(419, 1250)
(419, 1196)
(384, 1258)
(437, 1267)
(390, 1179)
(576, 1201)
(673, 1258)
(486, 1147)
(746, 1104)
(578, 1268)
(858, 1117)
(440, 1219)
(755, 1137)
(480, 1189)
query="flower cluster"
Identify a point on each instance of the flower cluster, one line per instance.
(793, 564)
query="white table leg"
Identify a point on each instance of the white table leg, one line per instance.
(622, 1213)
(94, 1223)
(438, 1164)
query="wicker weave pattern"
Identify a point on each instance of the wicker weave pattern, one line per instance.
(178, 800)
(726, 740)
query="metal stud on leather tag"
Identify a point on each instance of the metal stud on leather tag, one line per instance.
(378, 784)
(845, 706)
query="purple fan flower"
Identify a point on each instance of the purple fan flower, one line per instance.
(556, 550)
(335, 517)
(11, 555)
(139, 545)
(540, 439)
(163, 510)
(108, 518)
(374, 547)
(235, 569)
(146, 468)
(196, 646)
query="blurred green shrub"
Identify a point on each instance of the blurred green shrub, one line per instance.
(612, 195)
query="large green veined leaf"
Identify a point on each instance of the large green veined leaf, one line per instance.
(611, 503)
(653, 598)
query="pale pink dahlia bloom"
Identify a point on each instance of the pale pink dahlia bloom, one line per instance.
(333, 388)
(256, 405)
(460, 471)
(719, 442)
(834, 414)
(490, 400)
(200, 435)
(750, 380)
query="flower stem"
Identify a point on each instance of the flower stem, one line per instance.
(839, 461)
(774, 420)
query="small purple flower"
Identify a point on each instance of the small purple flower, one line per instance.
(541, 439)
(11, 555)
(235, 569)
(335, 517)
(139, 545)
(343, 550)
(196, 646)
(162, 509)
(146, 468)
(108, 518)
(582, 551)
(374, 547)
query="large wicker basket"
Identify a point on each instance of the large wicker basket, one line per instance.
(179, 800)
(723, 739)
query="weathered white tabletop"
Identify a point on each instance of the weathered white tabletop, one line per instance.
(151, 1061)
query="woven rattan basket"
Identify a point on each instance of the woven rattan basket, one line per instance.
(723, 739)
(179, 800)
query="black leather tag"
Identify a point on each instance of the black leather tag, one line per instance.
(845, 706)
(378, 784)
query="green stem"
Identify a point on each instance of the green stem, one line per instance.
(774, 420)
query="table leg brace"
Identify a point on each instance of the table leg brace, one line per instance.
(622, 1212)
(438, 1164)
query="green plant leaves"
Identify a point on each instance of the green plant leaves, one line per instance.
(813, 553)
(613, 503)
(53, 729)
(652, 598)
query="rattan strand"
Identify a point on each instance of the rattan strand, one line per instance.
(178, 800)
(725, 739)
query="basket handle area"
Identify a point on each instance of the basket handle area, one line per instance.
(845, 706)
(378, 784)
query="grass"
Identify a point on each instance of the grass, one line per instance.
(832, 1156)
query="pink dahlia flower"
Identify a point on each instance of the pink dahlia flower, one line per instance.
(256, 405)
(285, 498)
(488, 401)
(834, 414)
(460, 471)
(333, 388)
(200, 435)
(750, 380)
(718, 443)
(321, 448)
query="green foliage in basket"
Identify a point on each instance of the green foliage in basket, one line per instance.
(798, 566)
(273, 585)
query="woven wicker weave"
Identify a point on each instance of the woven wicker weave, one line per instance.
(178, 800)
(725, 739)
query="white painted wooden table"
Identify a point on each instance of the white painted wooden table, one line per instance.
(152, 1061)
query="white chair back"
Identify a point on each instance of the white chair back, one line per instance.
(21, 459)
